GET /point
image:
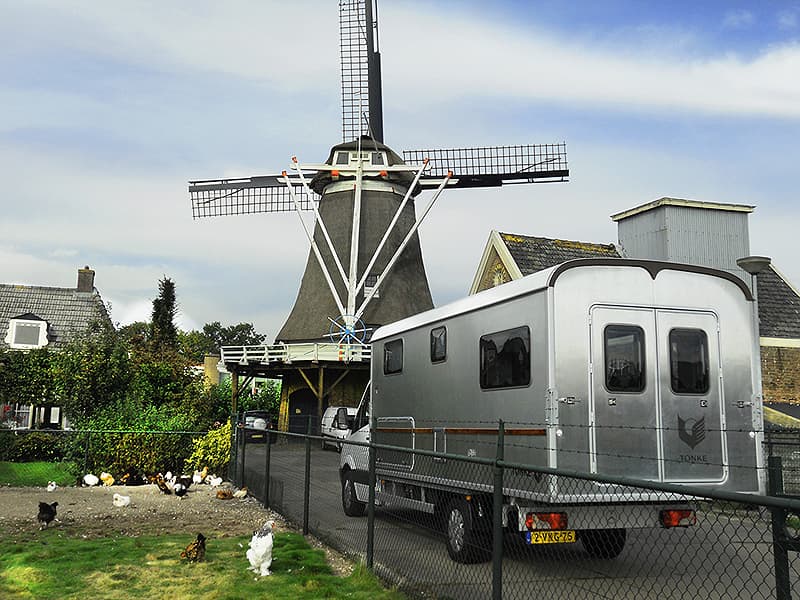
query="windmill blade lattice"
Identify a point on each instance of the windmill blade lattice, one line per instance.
(246, 195)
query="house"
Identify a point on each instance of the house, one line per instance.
(32, 317)
(678, 230)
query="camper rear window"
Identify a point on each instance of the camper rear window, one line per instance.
(624, 346)
(688, 361)
(506, 358)
(393, 357)
(438, 344)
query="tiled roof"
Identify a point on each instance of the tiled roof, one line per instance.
(534, 253)
(66, 310)
(778, 306)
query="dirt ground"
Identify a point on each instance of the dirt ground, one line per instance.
(88, 512)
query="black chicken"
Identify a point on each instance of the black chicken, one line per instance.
(47, 512)
(196, 551)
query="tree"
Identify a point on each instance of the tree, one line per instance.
(164, 334)
(243, 334)
(93, 371)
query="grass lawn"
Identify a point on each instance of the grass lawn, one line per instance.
(35, 474)
(52, 566)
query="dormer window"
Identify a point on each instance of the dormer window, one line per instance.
(26, 332)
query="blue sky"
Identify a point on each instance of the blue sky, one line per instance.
(108, 109)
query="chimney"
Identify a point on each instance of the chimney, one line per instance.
(85, 279)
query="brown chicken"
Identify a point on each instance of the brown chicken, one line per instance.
(196, 551)
(224, 494)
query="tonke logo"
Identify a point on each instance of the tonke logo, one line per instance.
(696, 435)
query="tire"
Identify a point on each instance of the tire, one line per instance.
(603, 543)
(323, 445)
(465, 542)
(352, 506)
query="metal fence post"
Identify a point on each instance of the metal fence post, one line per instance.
(234, 446)
(371, 500)
(307, 483)
(780, 552)
(266, 468)
(497, 517)
(86, 452)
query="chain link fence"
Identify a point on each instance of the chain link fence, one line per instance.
(785, 443)
(608, 538)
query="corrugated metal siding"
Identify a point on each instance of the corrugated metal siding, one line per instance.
(713, 238)
(644, 235)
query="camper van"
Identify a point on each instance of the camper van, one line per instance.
(616, 367)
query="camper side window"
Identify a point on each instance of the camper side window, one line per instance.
(624, 345)
(688, 361)
(505, 358)
(438, 344)
(393, 357)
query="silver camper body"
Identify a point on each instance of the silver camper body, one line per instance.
(632, 368)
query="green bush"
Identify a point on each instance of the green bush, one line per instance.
(213, 450)
(150, 440)
(29, 446)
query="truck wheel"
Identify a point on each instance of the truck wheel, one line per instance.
(352, 506)
(465, 544)
(603, 543)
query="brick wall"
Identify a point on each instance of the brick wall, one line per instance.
(780, 374)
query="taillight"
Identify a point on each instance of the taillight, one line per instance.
(677, 518)
(545, 520)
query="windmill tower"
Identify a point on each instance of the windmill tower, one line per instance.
(365, 266)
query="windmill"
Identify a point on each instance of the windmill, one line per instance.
(365, 266)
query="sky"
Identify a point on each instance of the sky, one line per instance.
(108, 109)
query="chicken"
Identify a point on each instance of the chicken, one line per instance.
(106, 478)
(224, 494)
(158, 479)
(200, 476)
(260, 552)
(214, 481)
(120, 500)
(52, 486)
(196, 551)
(47, 512)
(90, 480)
(180, 490)
(132, 477)
(240, 493)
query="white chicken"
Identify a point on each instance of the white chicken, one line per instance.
(241, 493)
(214, 481)
(119, 500)
(90, 479)
(260, 549)
(52, 486)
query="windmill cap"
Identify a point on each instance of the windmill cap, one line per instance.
(368, 144)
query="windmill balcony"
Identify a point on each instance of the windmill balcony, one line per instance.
(301, 352)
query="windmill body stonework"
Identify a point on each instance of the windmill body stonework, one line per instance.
(365, 266)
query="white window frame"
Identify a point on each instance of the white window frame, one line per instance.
(12, 332)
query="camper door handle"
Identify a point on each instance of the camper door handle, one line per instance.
(742, 404)
(569, 400)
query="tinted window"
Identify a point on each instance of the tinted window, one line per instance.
(505, 358)
(438, 344)
(688, 361)
(624, 346)
(393, 357)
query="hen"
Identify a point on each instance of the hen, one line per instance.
(260, 552)
(47, 512)
(52, 486)
(91, 480)
(224, 494)
(196, 551)
(107, 478)
(119, 500)
(240, 493)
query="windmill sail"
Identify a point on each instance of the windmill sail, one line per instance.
(362, 112)
(246, 195)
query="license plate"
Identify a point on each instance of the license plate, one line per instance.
(566, 536)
